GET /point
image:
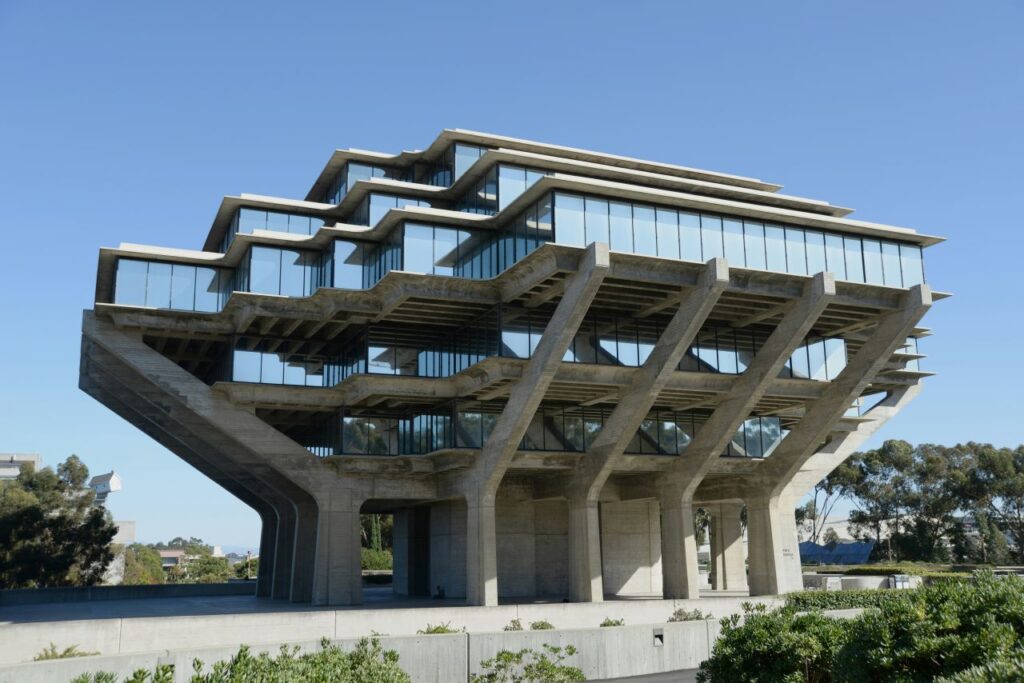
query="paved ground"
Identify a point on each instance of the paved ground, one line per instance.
(688, 676)
(374, 597)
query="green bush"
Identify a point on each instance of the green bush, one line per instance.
(514, 625)
(541, 625)
(818, 600)
(367, 663)
(608, 621)
(529, 666)
(52, 652)
(436, 629)
(375, 559)
(689, 615)
(1009, 670)
(776, 645)
(909, 636)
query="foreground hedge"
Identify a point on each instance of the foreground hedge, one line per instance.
(910, 636)
(818, 600)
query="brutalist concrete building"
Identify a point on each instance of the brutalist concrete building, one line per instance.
(541, 360)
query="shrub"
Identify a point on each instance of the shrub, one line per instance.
(947, 629)
(435, 629)
(819, 600)
(367, 663)
(375, 559)
(608, 621)
(1009, 670)
(51, 652)
(541, 625)
(530, 666)
(777, 645)
(939, 630)
(514, 625)
(689, 615)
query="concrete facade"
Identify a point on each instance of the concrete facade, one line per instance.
(542, 405)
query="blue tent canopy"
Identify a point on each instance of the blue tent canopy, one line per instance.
(844, 552)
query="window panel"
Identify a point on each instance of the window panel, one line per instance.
(689, 236)
(419, 248)
(207, 290)
(265, 270)
(753, 238)
(158, 285)
(645, 239)
(873, 262)
(796, 252)
(183, 287)
(835, 357)
(835, 259)
(596, 217)
(854, 259)
(775, 248)
(130, 283)
(511, 184)
(891, 264)
(569, 225)
(245, 366)
(815, 252)
(621, 226)
(446, 244)
(710, 237)
(668, 233)
(912, 265)
(733, 237)
(348, 265)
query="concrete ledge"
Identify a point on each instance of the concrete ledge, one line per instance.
(39, 596)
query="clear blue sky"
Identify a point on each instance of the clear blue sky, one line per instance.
(128, 121)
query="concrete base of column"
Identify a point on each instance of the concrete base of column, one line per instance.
(728, 557)
(338, 576)
(481, 553)
(773, 547)
(679, 549)
(585, 577)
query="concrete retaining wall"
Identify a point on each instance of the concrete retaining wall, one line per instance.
(601, 653)
(38, 596)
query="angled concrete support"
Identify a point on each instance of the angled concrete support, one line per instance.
(728, 557)
(585, 575)
(676, 488)
(772, 545)
(268, 540)
(821, 415)
(480, 486)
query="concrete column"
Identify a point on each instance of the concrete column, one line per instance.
(678, 547)
(773, 546)
(586, 582)
(481, 552)
(728, 559)
(285, 556)
(338, 576)
(267, 553)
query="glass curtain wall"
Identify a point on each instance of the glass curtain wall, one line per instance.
(692, 236)
(375, 206)
(352, 172)
(285, 272)
(246, 221)
(175, 286)
(498, 188)
(559, 429)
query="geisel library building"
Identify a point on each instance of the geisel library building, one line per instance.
(540, 360)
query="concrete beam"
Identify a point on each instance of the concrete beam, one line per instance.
(480, 484)
(585, 582)
(822, 415)
(677, 488)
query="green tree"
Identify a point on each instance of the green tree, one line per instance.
(247, 568)
(142, 565)
(50, 532)
(996, 484)
(207, 569)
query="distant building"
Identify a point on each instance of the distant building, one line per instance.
(10, 464)
(103, 485)
(125, 533)
(172, 558)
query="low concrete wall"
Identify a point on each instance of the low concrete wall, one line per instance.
(39, 596)
(22, 638)
(601, 653)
